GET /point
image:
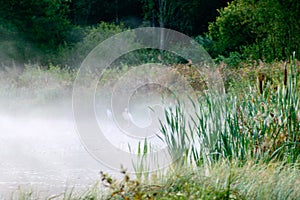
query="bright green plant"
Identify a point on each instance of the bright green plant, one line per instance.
(175, 135)
(141, 163)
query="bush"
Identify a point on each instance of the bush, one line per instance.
(207, 43)
(90, 37)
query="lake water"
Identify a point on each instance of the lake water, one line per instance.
(40, 150)
(43, 154)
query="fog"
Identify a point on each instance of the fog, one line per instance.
(43, 153)
(40, 149)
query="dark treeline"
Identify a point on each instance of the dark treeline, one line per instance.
(29, 28)
(43, 30)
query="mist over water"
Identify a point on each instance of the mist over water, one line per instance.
(39, 147)
(41, 151)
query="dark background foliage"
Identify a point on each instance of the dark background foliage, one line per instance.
(47, 31)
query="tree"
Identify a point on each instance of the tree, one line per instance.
(190, 17)
(92, 12)
(33, 29)
(43, 22)
(265, 29)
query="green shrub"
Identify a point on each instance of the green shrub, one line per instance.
(90, 36)
(207, 43)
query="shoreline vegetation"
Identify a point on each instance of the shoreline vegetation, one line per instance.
(253, 155)
(225, 180)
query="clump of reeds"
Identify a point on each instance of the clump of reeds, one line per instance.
(262, 124)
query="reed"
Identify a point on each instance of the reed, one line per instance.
(263, 124)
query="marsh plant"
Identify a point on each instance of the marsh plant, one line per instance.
(175, 134)
(141, 163)
(263, 125)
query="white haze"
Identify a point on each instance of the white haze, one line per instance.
(39, 148)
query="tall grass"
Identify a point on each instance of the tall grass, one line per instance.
(175, 134)
(262, 125)
(225, 181)
(141, 163)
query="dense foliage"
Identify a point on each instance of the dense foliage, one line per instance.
(42, 22)
(44, 31)
(265, 29)
(190, 17)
